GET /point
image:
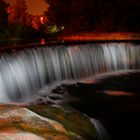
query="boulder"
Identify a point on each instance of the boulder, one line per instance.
(44, 122)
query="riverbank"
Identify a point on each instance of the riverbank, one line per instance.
(101, 36)
(115, 36)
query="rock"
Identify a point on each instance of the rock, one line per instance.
(44, 122)
(26, 122)
(20, 123)
(19, 136)
(24, 114)
(72, 120)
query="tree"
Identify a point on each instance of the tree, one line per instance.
(3, 15)
(20, 24)
(95, 15)
(58, 12)
(75, 15)
(20, 14)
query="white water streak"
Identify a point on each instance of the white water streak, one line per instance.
(24, 73)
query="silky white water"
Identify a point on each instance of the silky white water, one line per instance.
(27, 71)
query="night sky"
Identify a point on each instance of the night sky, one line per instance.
(35, 7)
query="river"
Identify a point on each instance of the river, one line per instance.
(99, 79)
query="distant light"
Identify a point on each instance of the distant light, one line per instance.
(42, 41)
(62, 27)
(42, 19)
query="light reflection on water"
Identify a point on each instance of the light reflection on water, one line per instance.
(42, 41)
(26, 43)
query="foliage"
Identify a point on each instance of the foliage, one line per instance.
(95, 15)
(19, 22)
(19, 12)
(59, 11)
(19, 30)
(3, 15)
(52, 29)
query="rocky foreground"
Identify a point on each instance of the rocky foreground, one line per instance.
(43, 122)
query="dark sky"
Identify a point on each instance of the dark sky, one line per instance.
(35, 7)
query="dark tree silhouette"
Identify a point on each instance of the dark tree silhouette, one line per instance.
(3, 15)
(58, 11)
(20, 14)
(95, 15)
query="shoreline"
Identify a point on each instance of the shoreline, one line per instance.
(114, 36)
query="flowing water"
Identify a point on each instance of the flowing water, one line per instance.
(29, 72)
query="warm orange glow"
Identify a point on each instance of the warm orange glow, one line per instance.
(34, 25)
(42, 41)
(38, 21)
(101, 36)
(118, 93)
(35, 7)
(42, 19)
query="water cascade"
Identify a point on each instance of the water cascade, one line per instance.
(28, 70)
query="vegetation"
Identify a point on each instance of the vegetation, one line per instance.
(16, 23)
(3, 17)
(95, 15)
(71, 16)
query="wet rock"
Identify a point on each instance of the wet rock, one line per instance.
(21, 123)
(43, 122)
(72, 120)
(19, 136)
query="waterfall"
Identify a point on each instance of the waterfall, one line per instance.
(101, 131)
(30, 69)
